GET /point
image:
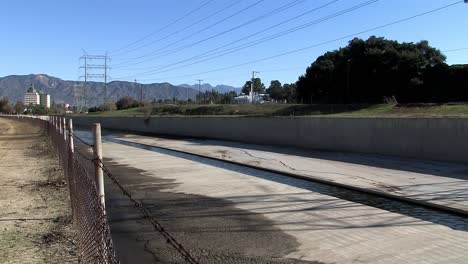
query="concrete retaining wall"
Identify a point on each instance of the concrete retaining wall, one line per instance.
(424, 138)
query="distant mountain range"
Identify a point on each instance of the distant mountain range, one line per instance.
(209, 87)
(76, 93)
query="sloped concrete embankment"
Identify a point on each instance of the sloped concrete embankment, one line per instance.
(442, 139)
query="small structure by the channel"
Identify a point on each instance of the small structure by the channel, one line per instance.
(254, 98)
(34, 97)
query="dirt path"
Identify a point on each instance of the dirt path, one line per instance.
(35, 216)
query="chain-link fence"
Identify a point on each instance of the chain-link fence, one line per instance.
(94, 239)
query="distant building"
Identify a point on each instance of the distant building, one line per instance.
(44, 99)
(256, 98)
(34, 97)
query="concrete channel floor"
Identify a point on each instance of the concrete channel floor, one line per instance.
(325, 229)
(440, 183)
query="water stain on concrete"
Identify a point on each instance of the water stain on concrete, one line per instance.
(212, 230)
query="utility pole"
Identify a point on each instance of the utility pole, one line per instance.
(141, 91)
(105, 78)
(199, 90)
(252, 86)
(85, 81)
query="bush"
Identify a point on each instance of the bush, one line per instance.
(205, 110)
(126, 102)
(167, 110)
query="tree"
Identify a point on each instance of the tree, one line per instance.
(368, 70)
(4, 103)
(259, 87)
(19, 107)
(216, 97)
(126, 103)
(290, 92)
(38, 110)
(109, 106)
(276, 91)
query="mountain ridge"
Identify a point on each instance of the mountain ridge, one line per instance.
(222, 88)
(76, 93)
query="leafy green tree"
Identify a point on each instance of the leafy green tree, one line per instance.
(368, 70)
(39, 110)
(109, 106)
(290, 92)
(216, 97)
(127, 102)
(4, 103)
(276, 91)
(19, 107)
(258, 87)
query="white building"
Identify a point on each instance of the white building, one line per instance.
(34, 97)
(44, 99)
(252, 99)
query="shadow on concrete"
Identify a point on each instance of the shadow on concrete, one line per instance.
(213, 230)
(422, 213)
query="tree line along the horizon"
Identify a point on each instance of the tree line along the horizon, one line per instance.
(365, 71)
(368, 71)
(7, 107)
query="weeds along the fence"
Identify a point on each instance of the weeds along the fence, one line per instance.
(92, 227)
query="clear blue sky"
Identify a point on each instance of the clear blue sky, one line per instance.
(48, 36)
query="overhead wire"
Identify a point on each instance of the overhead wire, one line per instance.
(163, 28)
(169, 52)
(454, 50)
(262, 40)
(248, 36)
(185, 28)
(193, 34)
(319, 44)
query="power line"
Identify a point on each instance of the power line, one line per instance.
(199, 31)
(183, 29)
(162, 54)
(247, 37)
(320, 44)
(164, 27)
(454, 50)
(265, 39)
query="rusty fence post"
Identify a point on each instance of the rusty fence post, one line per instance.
(98, 171)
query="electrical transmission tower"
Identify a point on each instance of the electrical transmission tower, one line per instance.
(94, 67)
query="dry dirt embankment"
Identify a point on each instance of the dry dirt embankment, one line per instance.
(35, 215)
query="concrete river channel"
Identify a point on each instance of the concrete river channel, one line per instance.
(451, 220)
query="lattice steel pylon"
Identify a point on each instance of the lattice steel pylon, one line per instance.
(94, 67)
